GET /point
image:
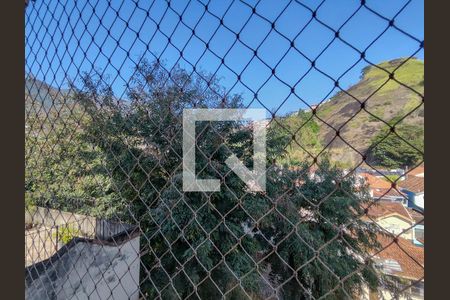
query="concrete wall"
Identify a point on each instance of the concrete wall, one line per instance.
(419, 200)
(40, 244)
(87, 226)
(87, 270)
(52, 217)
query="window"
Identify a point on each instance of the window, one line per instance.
(419, 233)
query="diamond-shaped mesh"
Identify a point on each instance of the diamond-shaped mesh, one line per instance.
(106, 83)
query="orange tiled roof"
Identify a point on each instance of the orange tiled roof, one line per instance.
(386, 208)
(413, 184)
(410, 269)
(419, 170)
(388, 193)
(375, 182)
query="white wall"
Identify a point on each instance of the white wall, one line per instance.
(419, 200)
(396, 225)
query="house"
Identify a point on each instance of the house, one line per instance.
(393, 217)
(375, 182)
(414, 188)
(419, 227)
(403, 263)
(390, 194)
(381, 189)
(402, 259)
(398, 219)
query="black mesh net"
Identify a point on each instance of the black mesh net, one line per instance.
(342, 211)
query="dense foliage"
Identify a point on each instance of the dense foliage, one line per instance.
(398, 150)
(299, 135)
(63, 170)
(300, 237)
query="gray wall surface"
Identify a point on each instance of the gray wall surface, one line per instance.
(88, 270)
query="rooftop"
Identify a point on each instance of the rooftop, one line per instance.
(408, 256)
(417, 216)
(375, 182)
(383, 209)
(418, 171)
(391, 192)
(413, 184)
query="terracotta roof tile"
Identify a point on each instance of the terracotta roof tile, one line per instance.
(413, 184)
(386, 208)
(375, 182)
(417, 171)
(393, 251)
(388, 193)
(417, 216)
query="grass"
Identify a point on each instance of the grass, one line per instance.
(412, 104)
(390, 104)
(392, 177)
(326, 109)
(410, 73)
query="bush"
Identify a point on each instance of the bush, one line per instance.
(65, 234)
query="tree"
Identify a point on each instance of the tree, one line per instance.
(394, 151)
(297, 137)
(63, 170)
(295, 238)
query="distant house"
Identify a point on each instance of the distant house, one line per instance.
(380, 172)
(405, 270)
(403, 262)
(398, 219)
(391, 194)
(414, 188)
(381, 189)
(419, 227)
(393, 217)
(418, 171)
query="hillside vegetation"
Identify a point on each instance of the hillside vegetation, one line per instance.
(386, 102)
(366, 129)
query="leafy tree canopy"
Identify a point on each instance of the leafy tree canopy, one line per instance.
(397, 150)
(299, 237)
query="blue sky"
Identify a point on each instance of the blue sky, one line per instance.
(81, 41)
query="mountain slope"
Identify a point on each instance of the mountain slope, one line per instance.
(385, 101)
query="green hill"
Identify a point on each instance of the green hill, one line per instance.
(385, 100)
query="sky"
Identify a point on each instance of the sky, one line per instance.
(65, 38)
